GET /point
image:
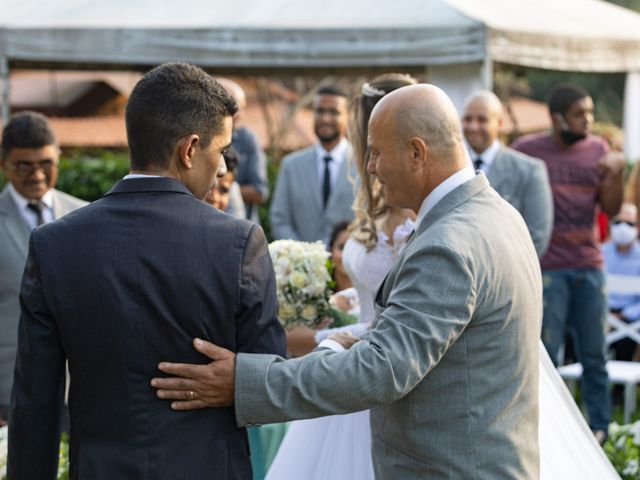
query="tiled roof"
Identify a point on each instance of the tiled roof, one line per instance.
(90, 131)
(530, 116)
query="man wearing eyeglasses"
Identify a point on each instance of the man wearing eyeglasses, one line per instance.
(29, 161)
(313, 192)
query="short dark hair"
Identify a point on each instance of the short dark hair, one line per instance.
(231, 159)
(27, 130)
(563, 96)
(170, 102)
(337, 230)
(331, 90)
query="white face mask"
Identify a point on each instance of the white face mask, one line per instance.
(623, 234)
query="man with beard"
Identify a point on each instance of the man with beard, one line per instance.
(585, 178)
(313, 192)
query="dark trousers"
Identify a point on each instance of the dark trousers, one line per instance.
(575, 299)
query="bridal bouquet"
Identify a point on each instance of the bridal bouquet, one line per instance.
(303, 281)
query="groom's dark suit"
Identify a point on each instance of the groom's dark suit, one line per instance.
(117, 287)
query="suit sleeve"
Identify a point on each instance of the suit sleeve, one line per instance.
(258, 327)
(256, 167)
(280, 212)
(426, 312)
(38, 389)
(537, 208)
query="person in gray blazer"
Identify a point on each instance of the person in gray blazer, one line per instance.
(29, 160)
(520, 179)
(450, 367)
(313, 192)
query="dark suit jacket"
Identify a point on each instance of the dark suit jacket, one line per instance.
(116, 288)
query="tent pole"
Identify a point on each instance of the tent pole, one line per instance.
(4, 78)
(631, 122)
(487, 72)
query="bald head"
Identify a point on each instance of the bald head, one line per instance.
(414, 143)
(628, 213)
(482, 120)
(234, 90)
(485, 97)
(423, 111)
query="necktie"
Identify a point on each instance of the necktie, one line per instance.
(477, 163)
(37, 206)
(326, 181)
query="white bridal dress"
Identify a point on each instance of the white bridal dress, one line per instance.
(339, 446)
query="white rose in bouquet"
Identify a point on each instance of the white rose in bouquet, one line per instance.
(310, 312)
(302, 280)
(286, 312)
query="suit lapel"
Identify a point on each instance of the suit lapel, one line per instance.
(17, 229)
(309, 179)
(59, 207)
(497, 174)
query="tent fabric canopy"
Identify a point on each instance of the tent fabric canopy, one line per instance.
(580, 35)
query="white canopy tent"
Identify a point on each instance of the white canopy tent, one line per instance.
(457, 39)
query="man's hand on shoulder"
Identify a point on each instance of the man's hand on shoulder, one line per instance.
(199, 386)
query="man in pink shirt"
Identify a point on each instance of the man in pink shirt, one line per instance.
(585, 178)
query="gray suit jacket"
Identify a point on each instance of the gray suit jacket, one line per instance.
(523, 181)
(296, 210)
(14, 239)
(451, 365)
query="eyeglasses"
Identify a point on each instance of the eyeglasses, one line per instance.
(24, 168)
(619, 222)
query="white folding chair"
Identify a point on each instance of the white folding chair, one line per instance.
(620, 373)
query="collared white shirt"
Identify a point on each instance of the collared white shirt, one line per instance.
(488, 156)
(438, 193)
(337, 155)
(139, 175)
(29, 215)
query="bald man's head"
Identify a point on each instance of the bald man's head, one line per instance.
(482, 120)
(415, 143)
(423, 111)
(234, 90)
(628, 213)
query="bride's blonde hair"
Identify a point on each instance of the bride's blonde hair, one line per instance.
(369, 203)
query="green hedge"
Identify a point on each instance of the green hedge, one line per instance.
(89, 176)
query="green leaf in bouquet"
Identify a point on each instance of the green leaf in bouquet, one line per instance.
(341, 318)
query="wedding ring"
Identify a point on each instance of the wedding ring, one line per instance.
(192, 395)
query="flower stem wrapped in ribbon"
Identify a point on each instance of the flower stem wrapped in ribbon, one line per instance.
(303, 281)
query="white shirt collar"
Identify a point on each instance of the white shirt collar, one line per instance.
(22, 202)
(438, 193)
(337, 153)
(488, 156)
(139, 175)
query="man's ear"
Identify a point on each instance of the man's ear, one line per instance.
(419, 152)
(186, 150)
(558, 121)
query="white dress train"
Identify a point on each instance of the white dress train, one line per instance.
(339, 446)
